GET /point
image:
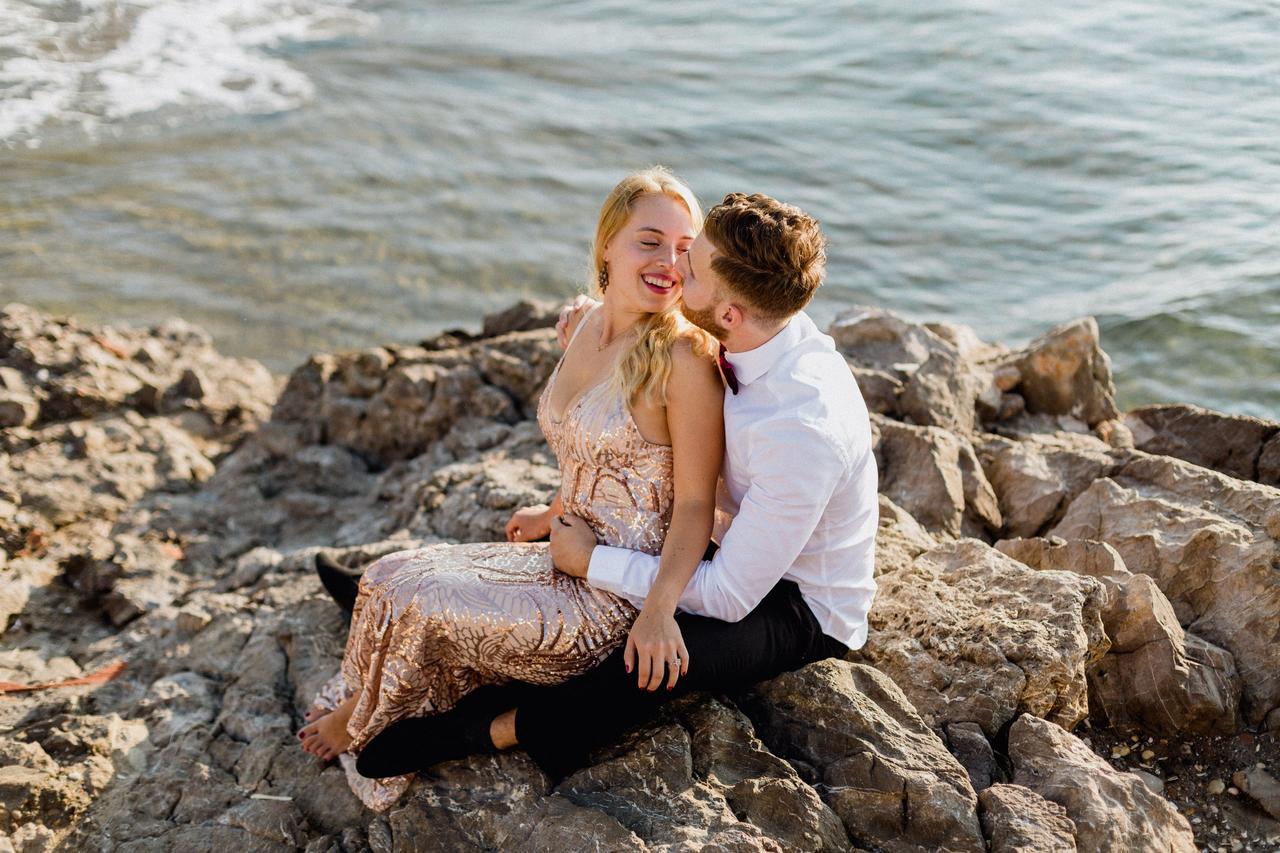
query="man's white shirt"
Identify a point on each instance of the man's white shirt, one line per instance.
(799, 482)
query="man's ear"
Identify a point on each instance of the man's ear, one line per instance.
(731, 315)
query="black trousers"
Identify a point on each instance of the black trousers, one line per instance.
(560, 725)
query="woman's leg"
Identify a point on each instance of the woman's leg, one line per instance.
(560, 725)
(431, 626)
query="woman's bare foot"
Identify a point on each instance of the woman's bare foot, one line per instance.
(313, 713)
(502, 731)
(327, 737)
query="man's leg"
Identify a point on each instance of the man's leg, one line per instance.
(341, 582)
(561, 725)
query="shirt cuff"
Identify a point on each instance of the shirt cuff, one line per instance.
(608, 568)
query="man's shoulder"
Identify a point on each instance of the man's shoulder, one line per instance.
(817, 382)
(817, 398)
(816, 421)
(814, 355)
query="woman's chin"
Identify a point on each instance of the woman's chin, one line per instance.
(658, 302)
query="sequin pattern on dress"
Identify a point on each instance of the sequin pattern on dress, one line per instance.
(432, 624)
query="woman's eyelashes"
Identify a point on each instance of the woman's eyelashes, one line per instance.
(654, 244)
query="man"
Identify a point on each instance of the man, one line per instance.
(791, 582)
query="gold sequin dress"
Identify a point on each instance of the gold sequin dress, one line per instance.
(432, 624)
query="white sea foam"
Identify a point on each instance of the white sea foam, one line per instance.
(96, 61)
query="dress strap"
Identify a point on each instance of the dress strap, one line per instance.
(581, 324)
(545, 399)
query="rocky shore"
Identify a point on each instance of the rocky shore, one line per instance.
(1075, 646)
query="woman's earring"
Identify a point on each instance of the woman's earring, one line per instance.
(603, 278)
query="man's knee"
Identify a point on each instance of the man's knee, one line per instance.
(389, 753)
(371, 762)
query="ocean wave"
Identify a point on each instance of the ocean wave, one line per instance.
(91, 62)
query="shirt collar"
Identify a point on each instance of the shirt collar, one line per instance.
(751, 365)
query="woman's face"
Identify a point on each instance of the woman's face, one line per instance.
(642, 255)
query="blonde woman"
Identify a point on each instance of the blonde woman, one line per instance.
(633, 412)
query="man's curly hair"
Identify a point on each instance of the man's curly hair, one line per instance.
(770, 254)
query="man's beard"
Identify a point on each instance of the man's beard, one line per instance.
(704, 319)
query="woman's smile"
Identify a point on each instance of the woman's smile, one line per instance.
(662, 284)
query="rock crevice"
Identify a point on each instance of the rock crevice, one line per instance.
(1042, 562)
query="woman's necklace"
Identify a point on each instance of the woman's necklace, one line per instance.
(629, 330)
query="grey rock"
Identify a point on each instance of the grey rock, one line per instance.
(1151, 780)
(1230, 444)
(1210, 542)
(524, 316)
(651, 790)
(250, 567)
(472, 501)
(1155, 675)
(885, 773)
(934, 475)
(880, 389)
(17, 753)
(176, 704)
(1035, 481)
(270, 820)
(760, 788)
(882, 340)
(1261, 786)
(1018, 820)
(972, 749)
(84, 372)
(971, 635)
(206, 792)
(1245, 819)
(147, 479)
(485, 802)
(941, 392)
(422, 394)
(932, 374)
(1115, 433)
(29, 795)
(17, 409)
(899, 538)
(319, 791)
(1269, 462)
(1065, 372)
(319, 469)
(557, 824)
(1111, 810)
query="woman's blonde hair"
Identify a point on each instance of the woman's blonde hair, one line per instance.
(644, 368)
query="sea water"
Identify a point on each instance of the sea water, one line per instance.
(303, 175)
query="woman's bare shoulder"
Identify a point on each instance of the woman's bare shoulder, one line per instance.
(693, 360)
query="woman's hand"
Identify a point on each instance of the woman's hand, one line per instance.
(570, 316)
(529, 524)
(655, 641)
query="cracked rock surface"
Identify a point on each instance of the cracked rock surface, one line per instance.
(1045, 565)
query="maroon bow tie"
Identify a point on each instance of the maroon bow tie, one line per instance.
(726, 369)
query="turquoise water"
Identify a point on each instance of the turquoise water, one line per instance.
(334, 174)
